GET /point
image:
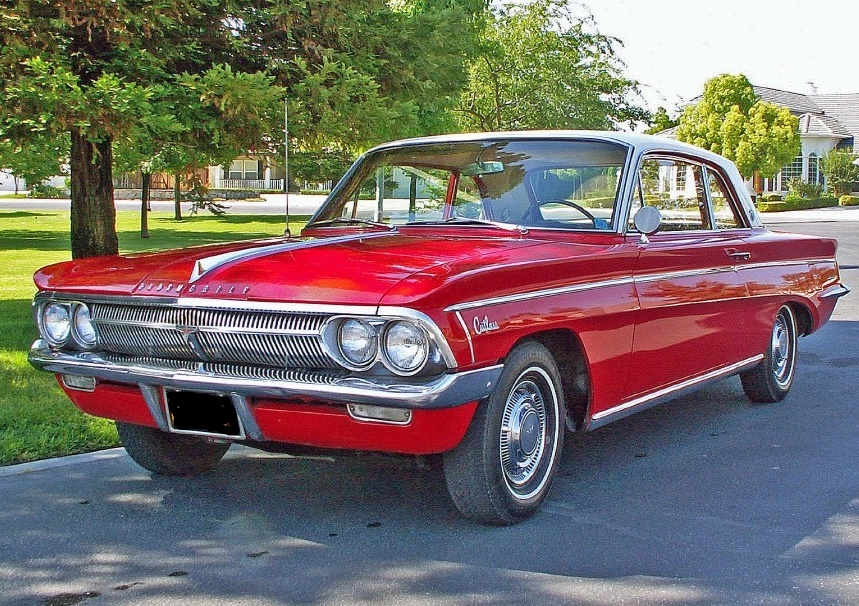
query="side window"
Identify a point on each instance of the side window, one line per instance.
(723, 212)
(676, 189)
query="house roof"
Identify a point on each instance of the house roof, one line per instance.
(832, 115)
(797, 103)
(811, 124)
(844, 108)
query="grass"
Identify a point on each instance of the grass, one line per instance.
(14, 196)
(37, 421)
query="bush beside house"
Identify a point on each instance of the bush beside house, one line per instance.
(847, 200)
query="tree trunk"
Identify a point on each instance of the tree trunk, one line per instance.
(93, 213)
(177, 196)
(16, 184)
(145, 187)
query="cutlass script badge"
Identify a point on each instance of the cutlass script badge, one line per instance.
(484, 325)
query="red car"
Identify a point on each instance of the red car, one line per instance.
(476, 296)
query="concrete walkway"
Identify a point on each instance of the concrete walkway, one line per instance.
(272, 204)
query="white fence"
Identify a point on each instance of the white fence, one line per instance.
(276, 184)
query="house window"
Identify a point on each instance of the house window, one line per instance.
(791, 171)
(813, 168)
(244, 169)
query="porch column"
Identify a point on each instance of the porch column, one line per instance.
(267, 177)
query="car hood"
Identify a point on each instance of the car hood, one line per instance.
(357, 269)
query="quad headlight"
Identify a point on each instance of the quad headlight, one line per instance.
(401, 345)
(62, 322)
(406, 347)
(357, 342)
(83, 330)
(56, 323)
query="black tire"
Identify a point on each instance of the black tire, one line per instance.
(503, 469)
(170, 454)
(771, 380)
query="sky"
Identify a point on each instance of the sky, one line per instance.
(672, 47)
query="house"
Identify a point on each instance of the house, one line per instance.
(247, 172)
(826, 122)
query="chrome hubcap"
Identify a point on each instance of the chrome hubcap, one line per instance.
(782, 349)
(524, 432)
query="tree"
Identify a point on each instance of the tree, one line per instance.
(358, 72)
(199, 120)
(34, 160)
(730, 119)
(100, 72)
(661, 121)
(91, 69)
(540, 65)
(840, 171)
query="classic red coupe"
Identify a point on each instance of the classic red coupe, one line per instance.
(471, 295)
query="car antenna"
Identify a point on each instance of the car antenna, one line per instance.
(286, 231)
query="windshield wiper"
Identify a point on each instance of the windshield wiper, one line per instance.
(352, 221)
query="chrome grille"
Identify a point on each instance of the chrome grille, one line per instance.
(231, 370)
(264, 338)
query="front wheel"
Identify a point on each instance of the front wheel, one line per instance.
(771, 380)
(170, 454)
(503, 469)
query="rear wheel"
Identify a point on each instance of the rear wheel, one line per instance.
(771, 380)
(170, 454)
(503, 469)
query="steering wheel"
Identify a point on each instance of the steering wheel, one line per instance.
(588, 215)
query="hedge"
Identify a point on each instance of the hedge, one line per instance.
(847, 200)
(797, 204)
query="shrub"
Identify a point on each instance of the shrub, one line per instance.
(797, 188)
(846, 200)
(771, 198)
(42, 190)
(797, 204)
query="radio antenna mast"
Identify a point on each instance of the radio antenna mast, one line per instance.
(286, 232)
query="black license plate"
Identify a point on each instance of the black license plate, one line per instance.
(202, 413)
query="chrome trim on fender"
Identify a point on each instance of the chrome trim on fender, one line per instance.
(438, 392)
(662, 395)
(536, 294)
(467, 335)
(835, 291)
(636, 279)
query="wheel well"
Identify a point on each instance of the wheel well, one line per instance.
(565, 347)
(804, 321)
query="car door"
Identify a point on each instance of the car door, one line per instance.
(690, 291)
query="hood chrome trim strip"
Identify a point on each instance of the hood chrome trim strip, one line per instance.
(207, 264)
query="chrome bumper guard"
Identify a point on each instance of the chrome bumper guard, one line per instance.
(438, 392)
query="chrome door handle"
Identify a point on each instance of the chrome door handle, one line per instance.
(738, 255)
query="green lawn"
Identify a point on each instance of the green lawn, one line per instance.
(36, 419)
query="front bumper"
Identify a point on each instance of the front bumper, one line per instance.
(438, 392)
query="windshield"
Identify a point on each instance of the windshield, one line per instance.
(534, 183)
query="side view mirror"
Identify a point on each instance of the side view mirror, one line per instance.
(647, 220)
